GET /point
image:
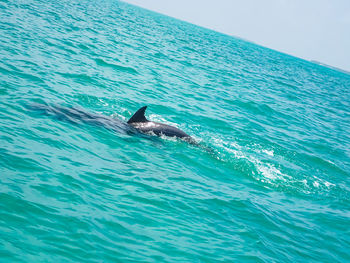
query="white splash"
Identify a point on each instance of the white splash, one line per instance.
(268, 152)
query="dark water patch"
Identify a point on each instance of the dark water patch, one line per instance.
(3, 91)
(65, 194)
(13, 71)
(160, 55)
(67, 46)
(5, 87)
(17, 162)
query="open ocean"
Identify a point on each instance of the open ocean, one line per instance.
(274, 186)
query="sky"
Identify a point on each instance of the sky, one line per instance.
(310, 29)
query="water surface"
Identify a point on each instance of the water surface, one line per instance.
(275, 188)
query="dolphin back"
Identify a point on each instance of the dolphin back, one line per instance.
(139, 121)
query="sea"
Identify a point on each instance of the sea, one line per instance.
(268, 179)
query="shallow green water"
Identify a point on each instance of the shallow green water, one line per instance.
(274, 188)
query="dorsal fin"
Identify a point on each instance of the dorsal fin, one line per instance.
(139, 116)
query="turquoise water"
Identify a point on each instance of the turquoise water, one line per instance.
(274, 188)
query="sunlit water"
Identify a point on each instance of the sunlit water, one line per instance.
(274, 186)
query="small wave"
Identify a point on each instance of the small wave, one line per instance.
(268, 152)
(16, 72)
(160, 55)
(79, 77)
(117, 67)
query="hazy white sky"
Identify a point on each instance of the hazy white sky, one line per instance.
(310, 29)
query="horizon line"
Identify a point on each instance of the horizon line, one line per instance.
(312, 61)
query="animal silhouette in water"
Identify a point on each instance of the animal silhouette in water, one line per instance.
(136, 124)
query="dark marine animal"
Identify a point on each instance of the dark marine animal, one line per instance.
(136, 124)
(139, 122)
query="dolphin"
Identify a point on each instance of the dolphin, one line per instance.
(136, 124)
(139, 122)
